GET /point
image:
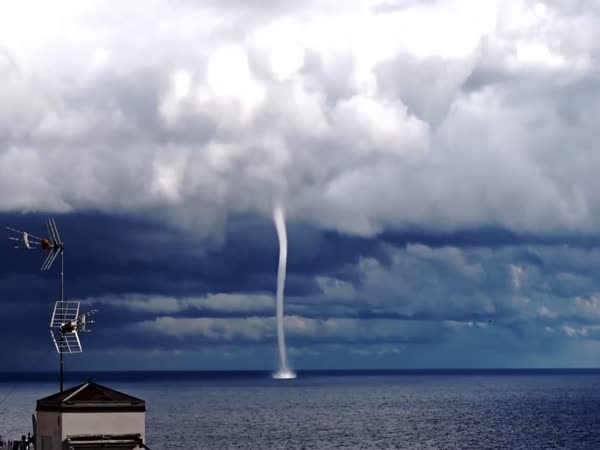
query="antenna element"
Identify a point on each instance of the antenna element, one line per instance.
(65, 325)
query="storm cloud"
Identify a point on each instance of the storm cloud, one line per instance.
(437, 161)
(362, 117)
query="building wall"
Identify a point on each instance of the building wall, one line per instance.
(48, 425)
(103, 423)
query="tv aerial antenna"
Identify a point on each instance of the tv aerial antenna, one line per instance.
(65, 325)
(66, 322)
(53, 245)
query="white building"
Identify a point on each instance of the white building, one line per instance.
(90, 416)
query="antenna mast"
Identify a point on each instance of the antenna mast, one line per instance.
(66, 321)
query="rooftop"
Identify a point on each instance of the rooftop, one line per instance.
(91, 397)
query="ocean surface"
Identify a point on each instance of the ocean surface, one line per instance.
(539, 409)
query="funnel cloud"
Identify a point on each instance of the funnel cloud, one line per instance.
(284, 371)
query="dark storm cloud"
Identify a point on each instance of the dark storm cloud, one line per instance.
(157, 288)
(433, 181)
(120, 255)
(490, 237)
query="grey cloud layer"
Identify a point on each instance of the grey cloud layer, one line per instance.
(358, 118)
(533, 302)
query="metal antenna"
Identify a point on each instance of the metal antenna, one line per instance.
(66, 321)
(53, 245)
(65, 325)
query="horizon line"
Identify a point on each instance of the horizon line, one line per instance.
(416, 369)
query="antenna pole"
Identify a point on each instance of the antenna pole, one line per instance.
(62, 297)
(62, 368)
(62, 275)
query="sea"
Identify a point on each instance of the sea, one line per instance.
(408, 409)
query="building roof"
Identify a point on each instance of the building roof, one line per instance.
(91, 397)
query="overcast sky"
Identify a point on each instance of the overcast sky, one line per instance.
(436, 159)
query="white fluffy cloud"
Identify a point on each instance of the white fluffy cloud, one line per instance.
(361, 115)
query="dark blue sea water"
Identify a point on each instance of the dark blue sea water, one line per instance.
(347, 410)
